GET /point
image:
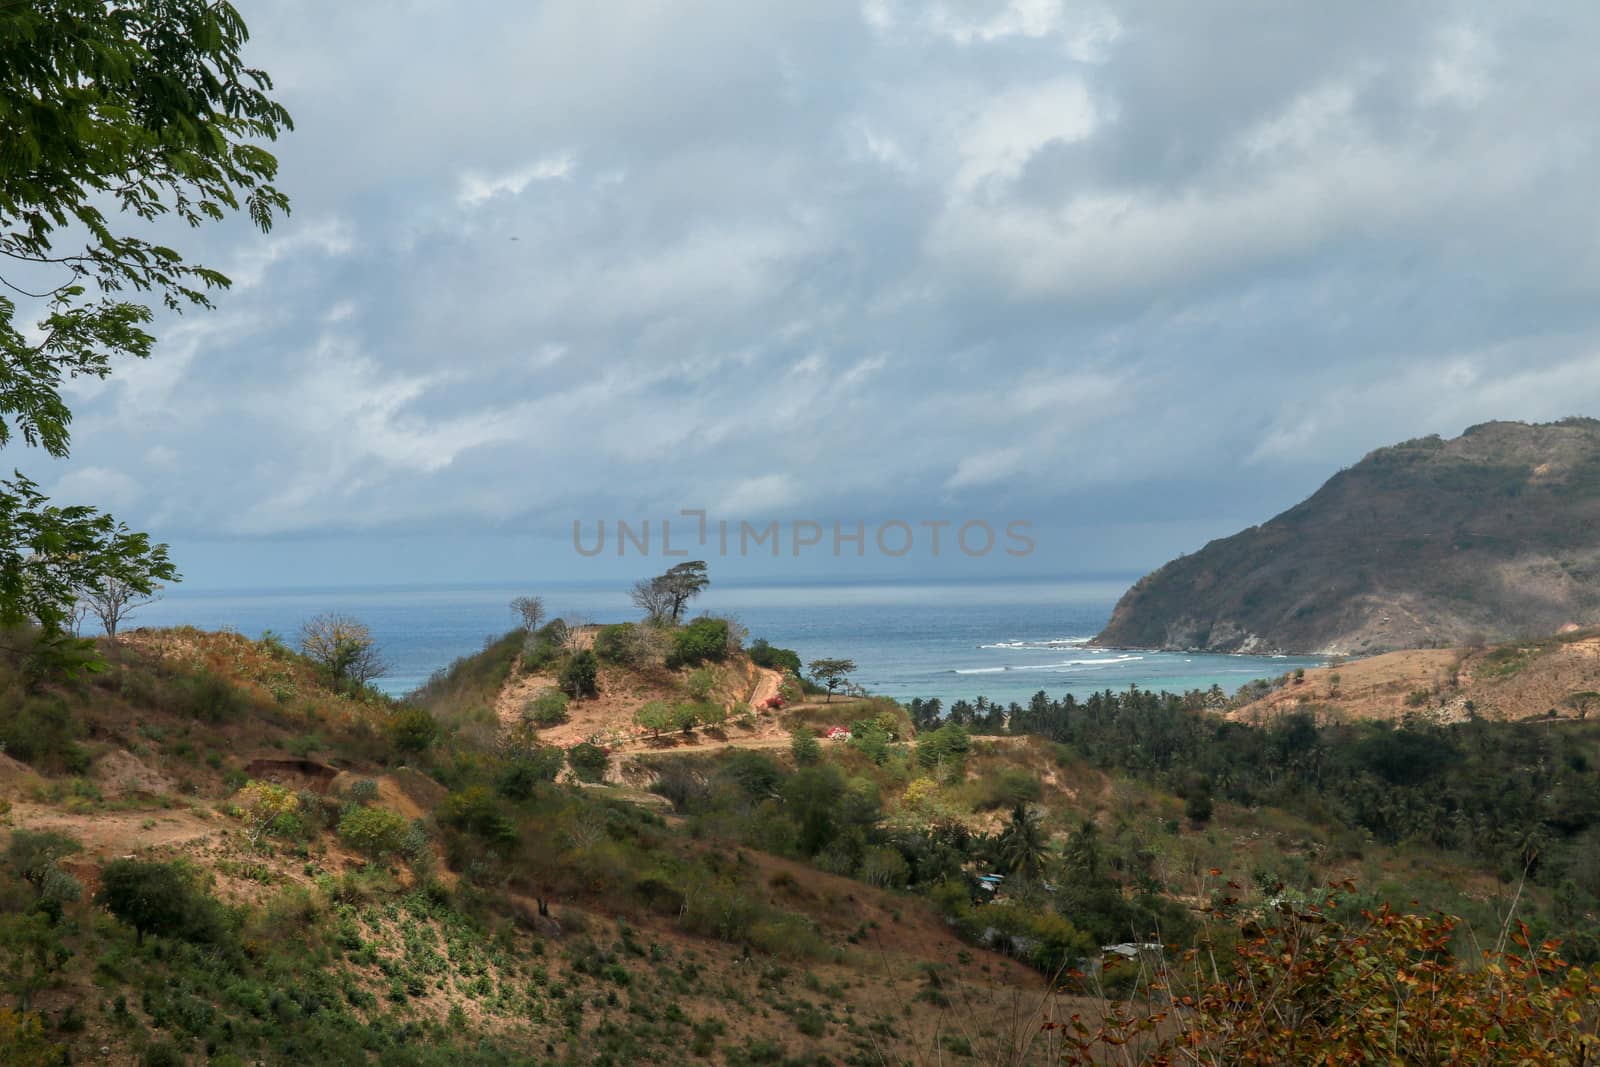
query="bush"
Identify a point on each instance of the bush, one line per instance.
(527, 770)
(543, 647)
(43, 732)
(160, 899)
(588, 761)
(700, 683)
(581, 676)
(33, 854)
(375, 832)
(804, 747)
(1007, 789)
(703, 639)
(620, 643)
(779, 659)
(547, 708)
(412, 729)
(211, 698)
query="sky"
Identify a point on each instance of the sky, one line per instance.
(1137, 275)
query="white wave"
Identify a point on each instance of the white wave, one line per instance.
(1064, 665)
(1053, 642)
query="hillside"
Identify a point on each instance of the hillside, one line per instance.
(1490, 535)
(325, 875)
(1544, 680)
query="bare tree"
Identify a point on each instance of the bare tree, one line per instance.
(530, 609)
(652, 598)
(112, 600)
(344, 647)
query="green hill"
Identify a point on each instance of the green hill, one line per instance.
(1490, 535)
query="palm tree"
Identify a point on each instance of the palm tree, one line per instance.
(1022, 846)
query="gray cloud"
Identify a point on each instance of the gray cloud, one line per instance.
(1147, 266)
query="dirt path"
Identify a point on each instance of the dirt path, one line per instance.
(117, 833)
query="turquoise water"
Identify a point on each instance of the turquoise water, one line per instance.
(952, 640)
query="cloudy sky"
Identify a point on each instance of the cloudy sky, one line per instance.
(1139, 274)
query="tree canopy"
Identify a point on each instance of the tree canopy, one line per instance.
(116, 119)
(664, 597)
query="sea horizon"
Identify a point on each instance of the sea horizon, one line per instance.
(953, 639)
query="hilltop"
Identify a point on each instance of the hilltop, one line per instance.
(1429, 543)
(480, 874)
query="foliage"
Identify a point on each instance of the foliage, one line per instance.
(620, 643)
(33, 854)
(161, 899)
(663, 597)
(804, 747)
(832, 673)
(372, 831)
(701, 640)
(581, 676)
(267, 808)
(344, 648)
(588, 761)
(412, 729)
(700, 684)
(144, 110)
(547, 708)
(770, 656)
(656, 716)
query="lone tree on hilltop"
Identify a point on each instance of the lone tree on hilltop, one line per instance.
(832, 673)
(113, 598)
(114, 114)
(529, 610)
(344, 648)
(664, 597)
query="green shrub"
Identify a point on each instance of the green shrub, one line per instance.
(1007, 789)
(43, 731)
(620, 643)
(700, 683)
(581, 676)
(588, 761)
(161, 899)
(412, 729)
(804, 747)
(375, 832)
(211, 698)
(33, 854)
(548, 708)
(703, 639)
(543, 647)
(781, 659)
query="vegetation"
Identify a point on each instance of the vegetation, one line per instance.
(664, 597)
(832, 673)
(144, 110)
(1391, 553)
(343, 647)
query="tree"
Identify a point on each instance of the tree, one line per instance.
(763, 654)
(140, 109)
(529, 611)
(111, 598)
(547, 708)
(1022, 844)
(588, 761)
(664, 597)
(581, 676)
(655, 716)
(831, 673)
(703, 639)
(344, 648)
(412, 729)
(804, 747)
(157, 898)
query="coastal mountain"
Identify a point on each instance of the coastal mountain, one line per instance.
(1487, 536)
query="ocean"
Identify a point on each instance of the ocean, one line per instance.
(951, 640)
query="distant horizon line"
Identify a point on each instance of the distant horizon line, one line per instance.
(533, 586)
